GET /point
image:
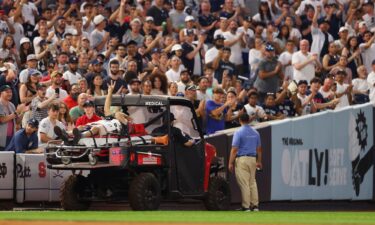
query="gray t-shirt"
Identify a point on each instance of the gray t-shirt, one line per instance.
(95, 38)
(38, 113)
(270, 84)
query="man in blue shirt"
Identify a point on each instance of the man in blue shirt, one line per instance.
(246, 157)
(217, 112)
(25, 140)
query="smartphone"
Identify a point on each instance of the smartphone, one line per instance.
(57, 90)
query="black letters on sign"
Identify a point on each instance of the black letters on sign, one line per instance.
(3, 170)
(23, 172)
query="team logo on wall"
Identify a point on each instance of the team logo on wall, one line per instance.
(360, 154)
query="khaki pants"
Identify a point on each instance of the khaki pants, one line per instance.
(245, 168)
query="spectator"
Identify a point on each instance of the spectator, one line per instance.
(222, 65)
(96, 86)
(202, 89)
(245, 158)
(331, 59)
(159, 84)
(72, 76)
(368, 49)
(39, 104)
(320, 103)
(78, 111)
(217, 112)
(343, 90)
(270, 109)
(8, 115)
(64, 116)
(134, 33)
(307, 101)
(31, 65)
(342, 65)
(115, 76)
(236, 108)
(25, 49)
(234, 40)
(320, 36)
(28, 90)
(8, 77)
(270, 74)
(89, 117)
(173, 74)
(255, 111)
(213, 51)
(146, 87)
(184, 80)
(99, 37)
(26, 140)
(55, 88)
(45, 131)
(193, 55)
(285, 59)
(353, 53)
(134, 86)
(361, 87)
(172, 89)
(71, 99)
(326, 89)
(304, 63)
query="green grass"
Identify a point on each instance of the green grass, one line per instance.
(197, 216)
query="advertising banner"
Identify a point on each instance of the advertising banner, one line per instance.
(324, 156)
(6, 175)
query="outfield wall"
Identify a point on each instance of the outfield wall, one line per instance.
(324, 156)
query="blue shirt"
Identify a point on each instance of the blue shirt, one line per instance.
(20, 142)
(214, 123)
(247, 140)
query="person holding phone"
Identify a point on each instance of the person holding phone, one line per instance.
(55, 88)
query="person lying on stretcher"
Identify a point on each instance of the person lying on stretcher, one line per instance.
(114, 123)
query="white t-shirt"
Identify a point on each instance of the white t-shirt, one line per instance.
(371, 83)
(96, 37)
(62, 94)
(370, 20)
(344, 101)
(307, 108)
(257, 110)
(73, 78)
(46, 127)
(236, 49)
(90, 28)
(307, 72)
(173, 76)
(27, 12)
(19, 32)
(249, 33)
(255, 56)
(325, 94)
(211, 54)
(286, 60)
(360, 84)
(318, 39)
(367, 55)
(203, 96)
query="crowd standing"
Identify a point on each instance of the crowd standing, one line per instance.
(290, 58)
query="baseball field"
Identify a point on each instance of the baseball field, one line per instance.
(183, 217)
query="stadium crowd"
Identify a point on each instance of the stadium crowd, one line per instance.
(291, 58)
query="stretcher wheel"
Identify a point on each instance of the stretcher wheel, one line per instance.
(93, 160)
(66, 160)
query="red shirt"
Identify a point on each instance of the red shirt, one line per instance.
(83, 120)
(70, 102)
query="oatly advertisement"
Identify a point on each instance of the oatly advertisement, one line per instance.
(325, 156)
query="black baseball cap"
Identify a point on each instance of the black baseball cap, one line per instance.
(135, 80)
(131, 42)
(219, 37)
(4, 88)
(73, 59)
(33, 122)
(89, 104)
(302, 82)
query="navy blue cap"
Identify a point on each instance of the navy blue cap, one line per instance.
(73, 59)
(270, 48)
(33, 122)
(95, 62)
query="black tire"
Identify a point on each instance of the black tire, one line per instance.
(72, 188)
(144, 192)
(218, 196)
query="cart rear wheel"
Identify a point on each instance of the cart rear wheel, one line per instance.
(144, 192)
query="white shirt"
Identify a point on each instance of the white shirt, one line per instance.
(172, 75)
(203, 96)
(27, 12)
(211, 54)
(307, 72)
(18, 32)
(344, 101)
(307, 108)
(73, 78)
(286, 60)
(257, 110)
(295, 33)
(318, 39)
(325, 94)
(62, 94)
(360, 84)
(96, 37)
(315, 3)
(90, 28)
(370, 21)
(367, 55)
(46, 127)
(255, 56)
(249, 33)
(371, 82)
